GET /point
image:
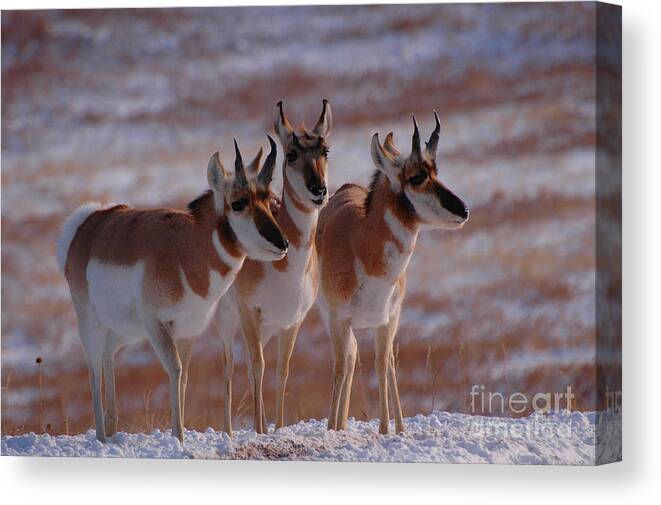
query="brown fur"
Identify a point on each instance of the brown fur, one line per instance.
(286, 186)
(169, 244)
(347, 230)
(282, 265)
(356, 225)
(350, 229)
(252, 271)
(249, 277)
(285, 220)
(310, 161)
(305, 156)
(169, 241)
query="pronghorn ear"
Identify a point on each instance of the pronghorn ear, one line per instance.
(281, 125)
(389, 146)
(384, 161)
(325, 122)
(216, 174)
(253, 167)
(432, 144)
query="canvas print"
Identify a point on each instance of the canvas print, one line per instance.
(330, 233)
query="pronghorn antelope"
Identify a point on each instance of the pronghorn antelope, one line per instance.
(365, 239)
(158, 274)
(273, 298)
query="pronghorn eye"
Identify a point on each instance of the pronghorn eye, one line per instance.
(418, 178)
(291, 157)
(274, 205)
(239, 205)
(325, 152)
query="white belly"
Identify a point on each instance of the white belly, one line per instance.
(116, 295)
(287, 299)
(192, 313)
(374, 303)
(377, 298)
(371, 307)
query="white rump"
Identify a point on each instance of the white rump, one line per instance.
(70, 227)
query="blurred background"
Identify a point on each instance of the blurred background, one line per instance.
(127, 105)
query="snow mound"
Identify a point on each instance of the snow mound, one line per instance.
(440, 437)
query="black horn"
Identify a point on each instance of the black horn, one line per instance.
(432, 144)
(415, 141)
(238, 166)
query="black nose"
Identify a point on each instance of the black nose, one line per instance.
(318, 190)
(459, 209)
(452, 202)
(281, 243)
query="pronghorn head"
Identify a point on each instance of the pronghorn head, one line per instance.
(306, 156)
(244, 200)
(416, 178)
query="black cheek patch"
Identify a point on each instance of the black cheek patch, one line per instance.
(268, 229)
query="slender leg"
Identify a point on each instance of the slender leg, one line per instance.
(251, 335)
(228, 371)
(92, 337)
(286, 341)
(392, 326)
(394, 395)
(161, 340)
(109, 352)
(226, 321)
(185, 350)
(94, 364)
(265, 423)
(345, 396)
(383, 349)
(340, 334)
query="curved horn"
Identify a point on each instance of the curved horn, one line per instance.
(432, 144)
(266, 173)
(238, 166)
(415, 141)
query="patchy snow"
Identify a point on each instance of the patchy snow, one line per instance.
(440, 437)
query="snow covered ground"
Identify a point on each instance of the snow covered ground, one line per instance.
(440, 437)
